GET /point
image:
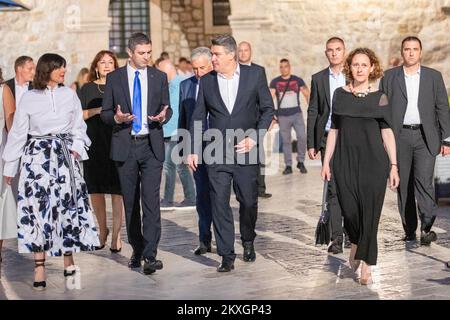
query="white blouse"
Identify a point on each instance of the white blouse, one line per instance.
(44, 112)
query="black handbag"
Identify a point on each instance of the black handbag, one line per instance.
(323, 229)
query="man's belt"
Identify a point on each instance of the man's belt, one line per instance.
(139, 136)
(412, 126)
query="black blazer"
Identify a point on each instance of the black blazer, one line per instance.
(11, 83)
(433, 104)
(253, 108)
(318, 109)
(117, 93)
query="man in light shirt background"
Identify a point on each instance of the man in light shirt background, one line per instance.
(24, 68)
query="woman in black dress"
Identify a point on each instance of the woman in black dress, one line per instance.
(99, 171)
(362, 147)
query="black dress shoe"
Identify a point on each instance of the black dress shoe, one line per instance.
(249, 252)
(264, 195)
(202, 248)
(288, 170)
(225, 266)
(410, 237)
(150, 266)
(335, 247)
(427, 237)
(301, 167)
(135, 261)
(347, 243)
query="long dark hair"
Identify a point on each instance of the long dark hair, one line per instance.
(46, 64)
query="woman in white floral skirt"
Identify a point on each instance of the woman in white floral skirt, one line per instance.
(49, 134)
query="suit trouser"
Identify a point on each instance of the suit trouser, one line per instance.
(203, 203)
(140, 180)
(244, 181)
(333, 202)
(286, 124)
(416, 169)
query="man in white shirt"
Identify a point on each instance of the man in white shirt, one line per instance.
(235, 97)
(136, 104)
(25, 69)
(320, 109)
(421, 123)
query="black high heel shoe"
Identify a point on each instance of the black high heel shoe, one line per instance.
(39, 285)
(116, 250)
(104, 243)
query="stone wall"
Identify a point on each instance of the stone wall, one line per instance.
(75, 29)
(183, 27)
(298, 29)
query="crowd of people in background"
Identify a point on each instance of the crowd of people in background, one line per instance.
(116, 130)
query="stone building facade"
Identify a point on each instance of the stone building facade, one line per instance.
(295, 29)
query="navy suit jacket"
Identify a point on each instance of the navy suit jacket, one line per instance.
(117, 93)
(187, 102)
(253, 108)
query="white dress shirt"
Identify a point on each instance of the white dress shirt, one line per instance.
(229, 88)
(412, 115)
(44, 112)
(336, 81)
(144, 95)
(20, 90)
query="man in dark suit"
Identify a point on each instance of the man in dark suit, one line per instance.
(201, 63)
(421, 124)
(245, 57)
(323, 85)
(136, 103)
(25, 69)
(240, 109)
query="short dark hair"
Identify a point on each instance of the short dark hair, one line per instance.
(183, 59)
(158, 61)
(46, 64)
(284, 60)
(412, 38)
(20, 61)
(137, 39)
(335, 39)
(227, 41)
(164, 55)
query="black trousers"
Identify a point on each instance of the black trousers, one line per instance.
(243, 178)
(416, 170)
(140, 180)
(333, 202)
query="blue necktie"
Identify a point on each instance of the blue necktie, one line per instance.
(137, 103)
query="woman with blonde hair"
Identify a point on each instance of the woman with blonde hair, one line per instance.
(82, 79)
(362, 146)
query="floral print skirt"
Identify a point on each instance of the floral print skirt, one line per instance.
(54, 214)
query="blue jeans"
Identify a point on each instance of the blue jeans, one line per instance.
(169, 170)
(203, 204)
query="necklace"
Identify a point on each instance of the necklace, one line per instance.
(98, 87)
(359, 94)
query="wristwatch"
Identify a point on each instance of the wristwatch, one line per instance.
(446, 143)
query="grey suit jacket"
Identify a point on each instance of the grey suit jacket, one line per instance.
(433, 104)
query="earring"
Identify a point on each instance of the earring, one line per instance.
(96, 72)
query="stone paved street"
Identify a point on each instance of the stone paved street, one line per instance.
(288, 264)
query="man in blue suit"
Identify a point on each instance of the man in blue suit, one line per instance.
(201, 62)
